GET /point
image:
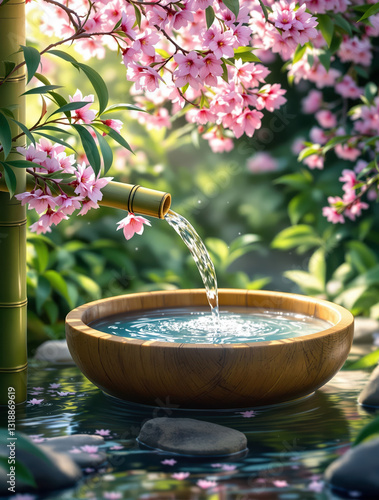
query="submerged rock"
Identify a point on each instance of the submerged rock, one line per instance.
(370, 393)
(82, 448)
(50, 470)
(187, 436)
(356, 471)
(54, 351)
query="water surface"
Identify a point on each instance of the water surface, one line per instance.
(196, 325)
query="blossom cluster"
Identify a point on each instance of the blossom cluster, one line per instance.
(47, 197)
(349, 122)
(178, 57)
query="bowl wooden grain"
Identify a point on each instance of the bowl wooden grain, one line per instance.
(209, 375)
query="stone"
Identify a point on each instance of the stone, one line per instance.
(50, 470)
(356, 471)
(54, 351)
(370, 393)
(72, 445)
(364, 330)
(187, 436)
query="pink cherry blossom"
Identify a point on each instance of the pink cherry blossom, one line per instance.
(314, 161)
(312, 102)
(103, 432)
(280, 483)
(205, 484)
(169, 461)
(89, 449)
(112, 495)
(248, 413)
(32, 154)
(179, 476)
(132, 225)
(35, 401)
(262, 162)
(326, 118)
(85, 114)
(248, 122)
(316, 486)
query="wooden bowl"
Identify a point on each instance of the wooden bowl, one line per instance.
(209, 375)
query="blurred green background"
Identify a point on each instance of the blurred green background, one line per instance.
(263, 229)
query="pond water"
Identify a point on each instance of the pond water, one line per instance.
(289, 445)
(197, 325)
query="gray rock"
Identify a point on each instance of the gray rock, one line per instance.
(50, 470)
(54, 351)
(187, 436)
(70, 444)
(364, 329)
(356, 471)
(370, 394)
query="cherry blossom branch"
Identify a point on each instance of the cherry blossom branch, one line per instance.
(70, 13)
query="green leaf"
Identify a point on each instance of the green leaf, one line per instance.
(106, 151)
(315, 149)
(371, 11)
(245, 54)
(59, 285)
(42, 78)
(306, 281)
(317, 266)
(42, 254)
(367, 361)
(325, 58)
(32, 60)
(264, 9)
(23, 473)
(300, 235)
(369, 431)
(23, 164)
(121, 107)
(299, 180)
(361, 256)
(26, 131)
(300, 205)
(224, 75)
(371, 91)
(42, 292)
(233, 5)
(43, 89)
(71, 106)
(51, 128)
(209, 16)
(10, 179)
(88, 285)
(96, 80)
(370, 277)
(340, 139)
(98, 85)
(118, 138)
(299, 52)
(24, 444)
(138, 15)
(90, 148)
(5, 135)
(326, 26)
(343, 23)
(55, 139)
(8, 67)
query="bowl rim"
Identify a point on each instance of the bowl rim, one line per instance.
(74, 319)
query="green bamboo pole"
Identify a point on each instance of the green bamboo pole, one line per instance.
(13, 353)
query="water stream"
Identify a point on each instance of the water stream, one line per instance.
(201, 257)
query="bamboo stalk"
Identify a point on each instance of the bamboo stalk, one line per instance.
(13, 341)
